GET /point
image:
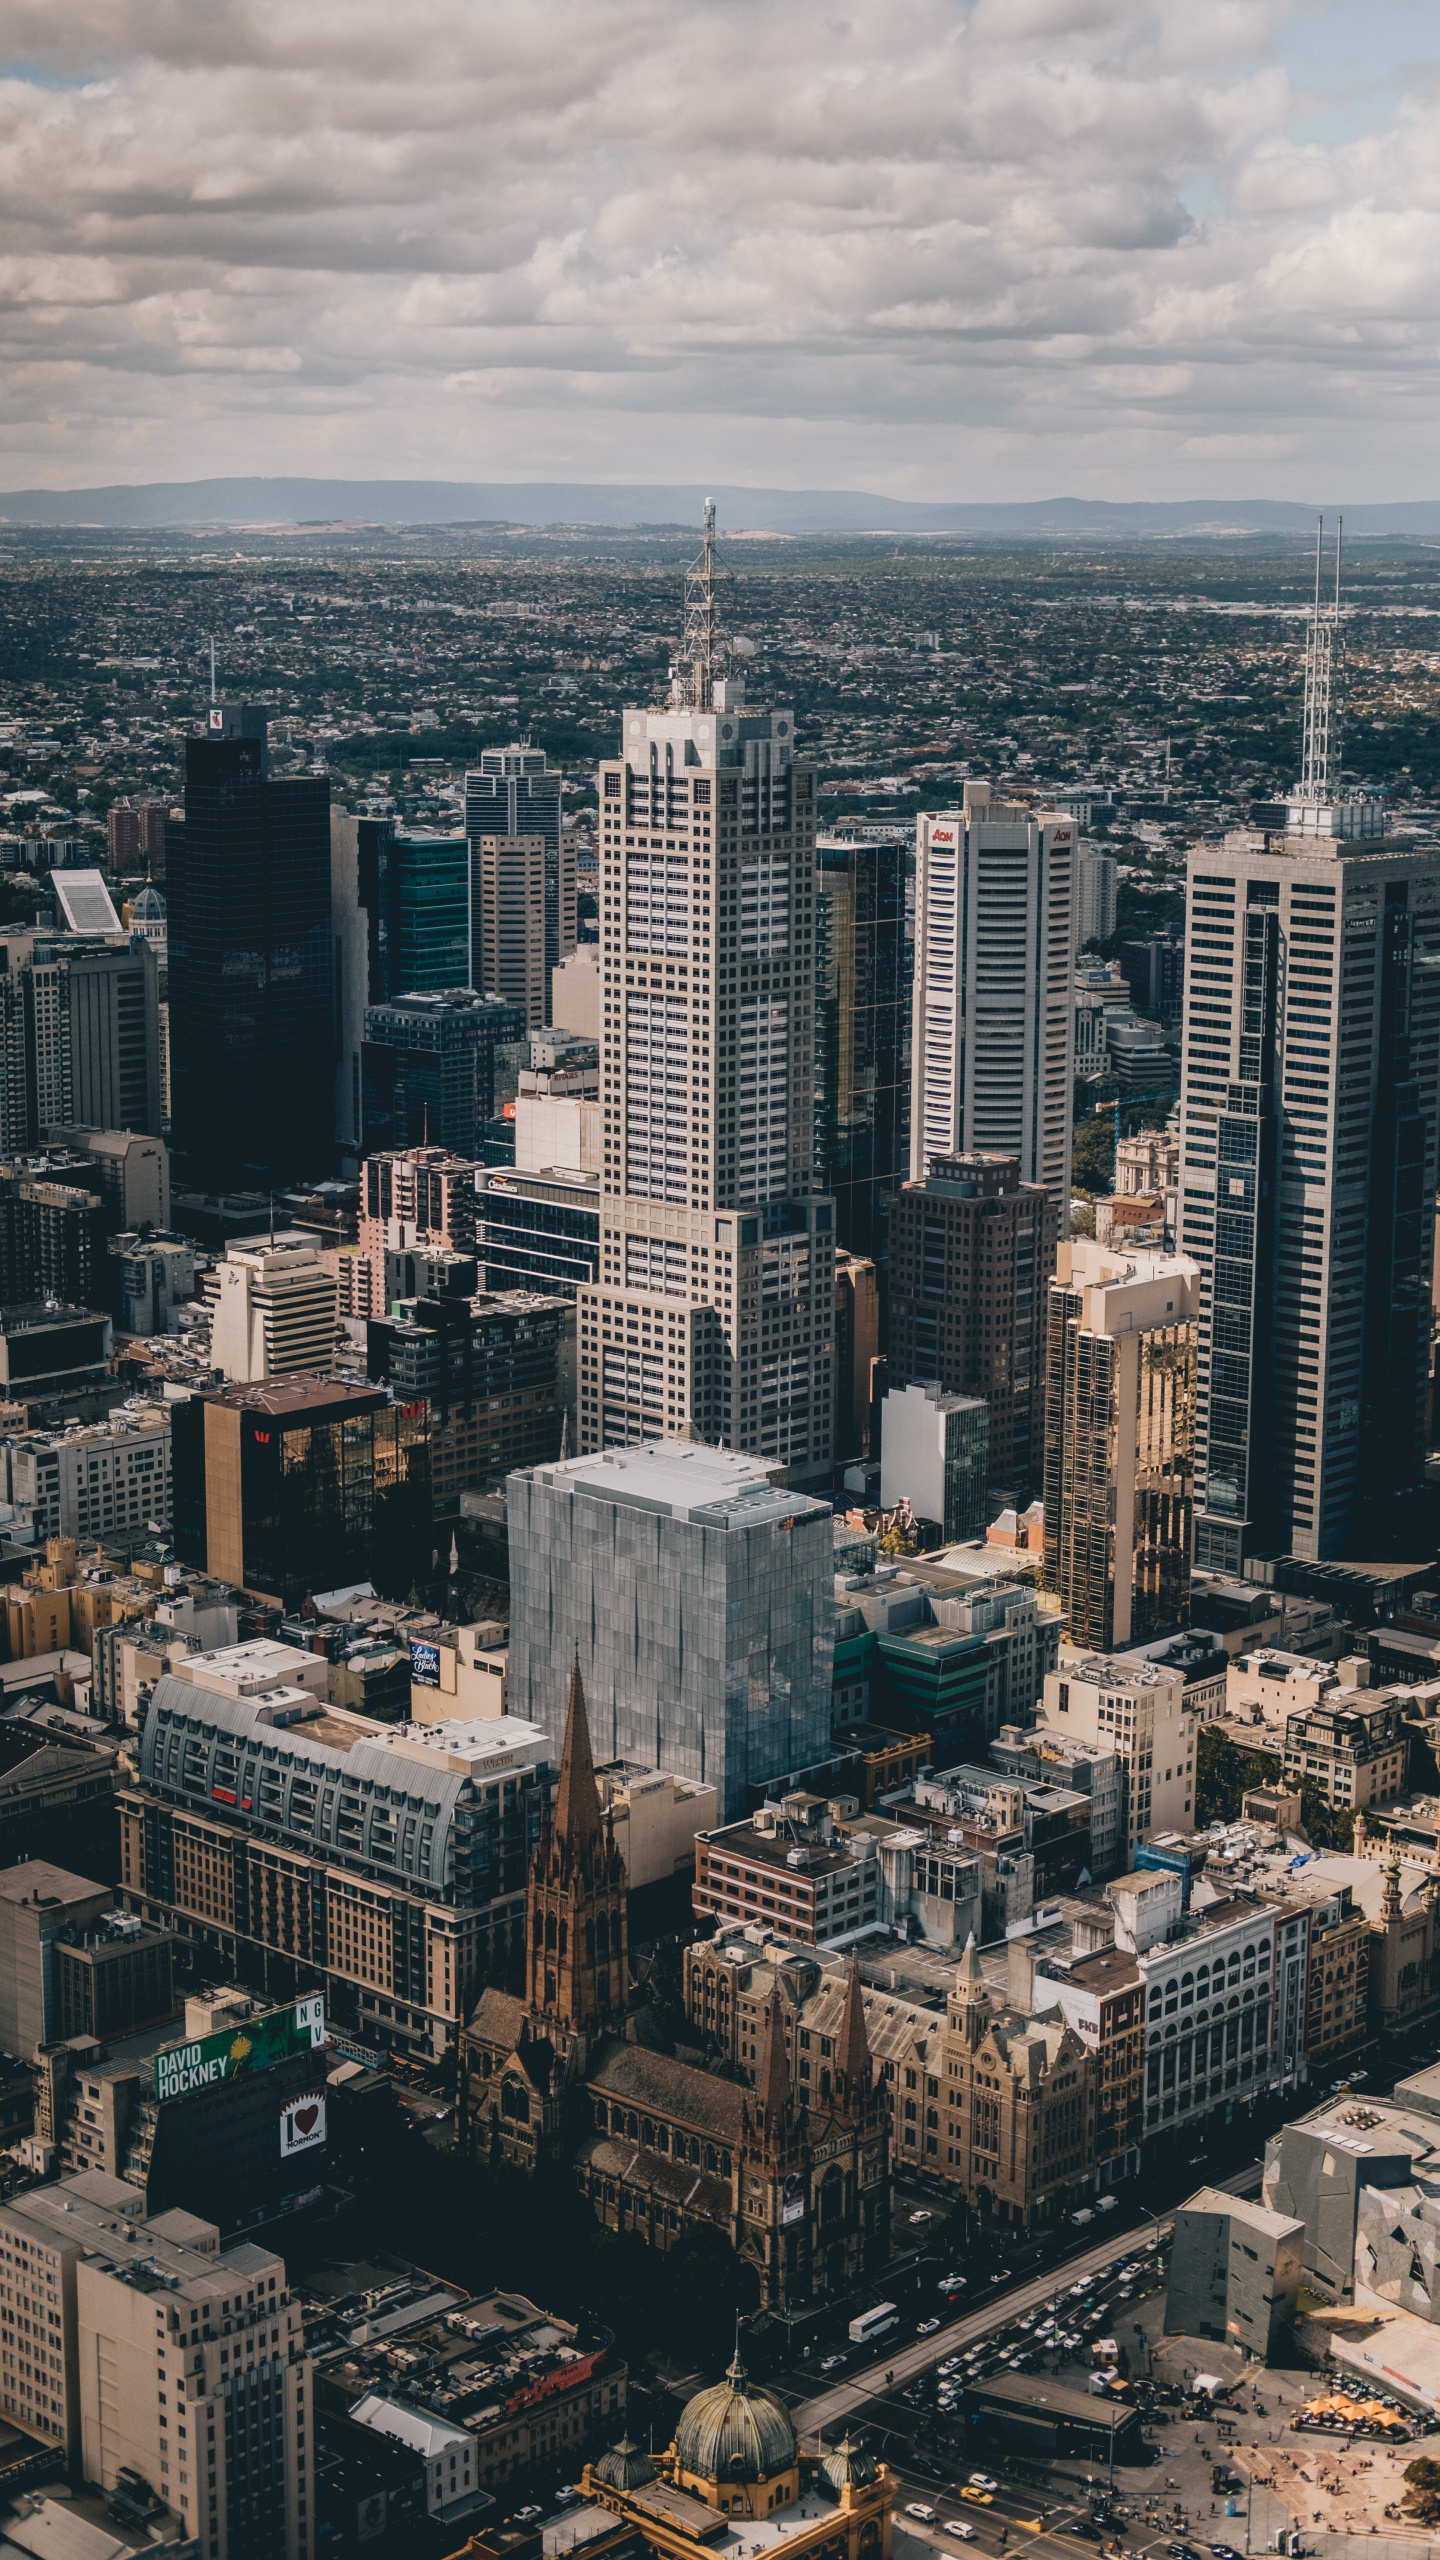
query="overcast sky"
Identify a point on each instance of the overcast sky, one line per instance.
(939, 248)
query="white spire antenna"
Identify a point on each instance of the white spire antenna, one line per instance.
(1320, 743)
(692, 683)
(213, 695)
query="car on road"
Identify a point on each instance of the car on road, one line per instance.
(831, 2364)
(951, 2284)
(982, 2480)
(1222, 2551)
(958, 2525)
(566, 2497)
(922, 2216)
(926, 2328)
(978, 2497)
(1082, 2526)
(921, 2514)
(526, 2515)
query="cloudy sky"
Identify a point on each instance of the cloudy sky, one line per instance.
(940, 248)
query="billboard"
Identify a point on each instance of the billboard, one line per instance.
(302, 2124)
(179, 2068)
(424, 1663)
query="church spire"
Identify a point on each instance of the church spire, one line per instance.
(577, 1798)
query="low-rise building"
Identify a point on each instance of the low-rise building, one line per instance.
(499, 2387)
(1320, 2167)
(786, 1866)
(388, 1860)
(274, 1311)
(1138, 1710)
(107, 1479)
(655, 1818)
(1057, 1760)
(1353, 1748)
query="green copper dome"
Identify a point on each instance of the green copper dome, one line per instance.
(624, 2466)
(735, 2431)
(850, 2466)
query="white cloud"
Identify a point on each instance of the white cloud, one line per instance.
(932, 246)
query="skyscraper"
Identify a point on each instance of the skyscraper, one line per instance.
(1308, 1160)
(862, 1032)
(400, 913)
(972, 1249)
(713, 1316)
(427, 1068)
(251, 967)
(510, 912)
(1119, 1413)
(513, 794)
(993, 1045)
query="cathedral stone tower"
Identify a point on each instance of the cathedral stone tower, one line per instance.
(576, 1921)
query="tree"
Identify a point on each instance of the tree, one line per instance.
(1422, 2497)
(1092, 1153)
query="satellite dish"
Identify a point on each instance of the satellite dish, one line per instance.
(742, 646)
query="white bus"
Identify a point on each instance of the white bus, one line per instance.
(873, 2323)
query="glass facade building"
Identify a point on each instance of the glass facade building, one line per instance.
(297, 1485)
(428, 1068)
(537, 1230)
(699, 1599)
(415, 891)
(863, 963)
(251, 971)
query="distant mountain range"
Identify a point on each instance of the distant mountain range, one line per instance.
(619, 505)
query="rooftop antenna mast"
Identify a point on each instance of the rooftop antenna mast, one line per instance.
(1321, 745)
(213, 695)
(692, 686)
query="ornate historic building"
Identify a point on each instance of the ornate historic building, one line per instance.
(797, 2180)
(1015, 2112)
(734, 2480)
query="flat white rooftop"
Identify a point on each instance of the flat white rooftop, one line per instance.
(684, 1480)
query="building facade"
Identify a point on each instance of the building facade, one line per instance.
(251, 965)
(512, 923)
(385, 1862)
(513, 794)
(274, 1313)
(698, 1596)
(302, 1484)
(993, 1040)
(862, 1031)
(1119, 1408)
(427, 1069)
(713, 1316)
(1309, 1123)
(972, 1252)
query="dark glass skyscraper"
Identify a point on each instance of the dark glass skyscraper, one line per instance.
(862, 1033)
(428, 1068)
(251, 994)
(415, 890)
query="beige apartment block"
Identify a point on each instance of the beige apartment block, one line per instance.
(1138, 1710)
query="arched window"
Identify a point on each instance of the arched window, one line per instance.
(515, 2101)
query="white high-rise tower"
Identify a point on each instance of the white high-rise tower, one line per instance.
(713, 1314)
(1310, 1101)
(993, 1051)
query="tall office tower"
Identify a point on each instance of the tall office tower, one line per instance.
(972, 1250)
(698, 1597)
(511, 795)
(714, 1314)
(401, 923)
(275, 1312)
(252, 1027)
(1308, 1161)
(511, 912)
(862, 1032)
(1119, 1415)
(994, 951)
(1094, 894)
(94, 1031)
(427, 1068)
